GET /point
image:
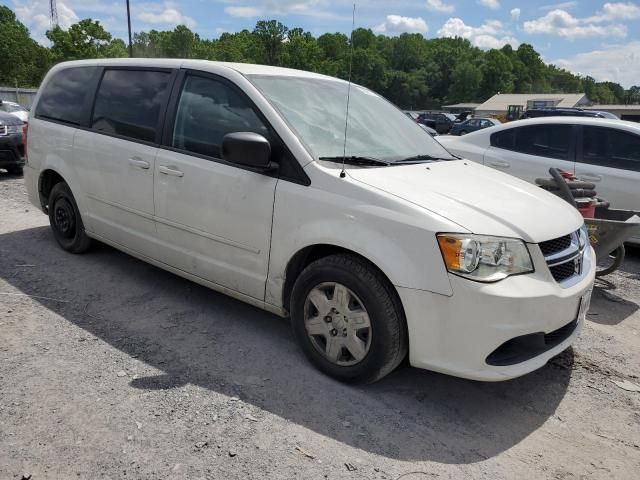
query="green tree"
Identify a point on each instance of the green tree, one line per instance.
(270, 36)
(236, 47)
(85, 39)
(301, 51)
(410, 70)
(180, 43)
(22, 60)
(496, 74)
(465, 86)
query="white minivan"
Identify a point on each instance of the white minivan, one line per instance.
(232, 176)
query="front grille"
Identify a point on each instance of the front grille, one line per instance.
(556, 245)
(563, 256)
(563, 271)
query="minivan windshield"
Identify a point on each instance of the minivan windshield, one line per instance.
(316, 110)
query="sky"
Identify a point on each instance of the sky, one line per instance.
(591, 37)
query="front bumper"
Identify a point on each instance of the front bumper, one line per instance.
(456, 334)
(11, 151)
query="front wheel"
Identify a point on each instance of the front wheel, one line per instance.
(348, 319)
(65, 220)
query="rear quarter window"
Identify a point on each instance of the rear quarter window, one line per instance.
(65, 96)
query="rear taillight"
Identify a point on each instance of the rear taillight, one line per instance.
(25, 129)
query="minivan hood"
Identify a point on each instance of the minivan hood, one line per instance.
(479, 199)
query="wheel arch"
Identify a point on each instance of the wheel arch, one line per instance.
(46, 181)
(309, 254)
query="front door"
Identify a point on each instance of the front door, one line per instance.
(115, 159)
(528, 152)
(213, 218)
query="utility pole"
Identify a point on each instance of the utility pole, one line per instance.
(129, 24)
(53, 13)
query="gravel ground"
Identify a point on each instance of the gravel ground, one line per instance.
(112, 368)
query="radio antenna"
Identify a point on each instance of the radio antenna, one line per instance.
(346, 118)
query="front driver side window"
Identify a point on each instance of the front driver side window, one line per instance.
(208, 110)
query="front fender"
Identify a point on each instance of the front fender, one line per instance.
(399, 238)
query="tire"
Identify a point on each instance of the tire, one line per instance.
(611, 264)
(381, 346)
(65, 220)
(463, 132)
(15, 170)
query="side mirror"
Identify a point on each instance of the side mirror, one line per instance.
(248, 149)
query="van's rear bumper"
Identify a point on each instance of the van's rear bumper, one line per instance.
(458, 334)
(31, 185)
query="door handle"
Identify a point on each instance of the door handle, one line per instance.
(590, 177)
(170, 171)
(138, 162)
(499, 163)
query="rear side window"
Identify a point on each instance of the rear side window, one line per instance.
(64, 96)
(551, 141)
(128, 103)
(505, 139)
(609, 147)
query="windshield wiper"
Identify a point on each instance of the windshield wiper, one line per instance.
(424, 159)
(357, 160)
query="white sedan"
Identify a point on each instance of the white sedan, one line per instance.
(15, 109)
(603, 151)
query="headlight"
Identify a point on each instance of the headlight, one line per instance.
(483, 258)
(583, 237)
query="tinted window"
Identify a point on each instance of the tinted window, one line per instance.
(128, 103)
(505, 139)
(208, 110)
(63, 97)
(550, 141)
(610, 147)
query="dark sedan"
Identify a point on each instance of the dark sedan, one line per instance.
(11, 145)
(472, 125)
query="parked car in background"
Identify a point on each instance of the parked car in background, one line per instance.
(377, 246)
(462, 116)
(566, 112)
(472, 125)
(11, 145)
(413, 115)
(439, 121)
(604, 152)
(429, 130)
(15, 109)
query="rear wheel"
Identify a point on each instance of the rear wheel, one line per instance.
(348, 319)
(65, 220)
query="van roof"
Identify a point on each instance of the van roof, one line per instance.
(205, 65)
